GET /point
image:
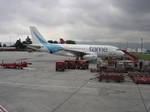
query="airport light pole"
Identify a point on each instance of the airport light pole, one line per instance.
(141, 44)
(127, 45)
(10, 40)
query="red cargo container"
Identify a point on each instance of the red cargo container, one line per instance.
(111, 77)
(70, 64)
(82, 64)
(141, 79)
(60, 66)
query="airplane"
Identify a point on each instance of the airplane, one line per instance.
(80, 51)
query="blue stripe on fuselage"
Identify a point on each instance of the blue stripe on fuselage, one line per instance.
(53, 48)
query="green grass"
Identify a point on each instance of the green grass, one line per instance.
(143, 56)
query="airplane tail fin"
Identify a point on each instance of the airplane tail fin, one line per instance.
(52, 48)
(37, 37)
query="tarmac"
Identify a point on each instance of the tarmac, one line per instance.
(39, 88)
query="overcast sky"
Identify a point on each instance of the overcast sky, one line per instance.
(80, 20)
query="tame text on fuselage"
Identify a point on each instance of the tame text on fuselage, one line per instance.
(98, 49)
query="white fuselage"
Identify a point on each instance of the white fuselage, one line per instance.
(97, 50)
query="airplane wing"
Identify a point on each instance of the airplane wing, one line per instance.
(32, 47)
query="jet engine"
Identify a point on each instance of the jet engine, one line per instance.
(90, 57)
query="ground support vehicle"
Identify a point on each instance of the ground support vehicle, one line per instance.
(116, 77)
(60, 66)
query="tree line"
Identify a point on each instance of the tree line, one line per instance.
(23, 44)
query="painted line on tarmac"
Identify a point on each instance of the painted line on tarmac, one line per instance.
(142, 98)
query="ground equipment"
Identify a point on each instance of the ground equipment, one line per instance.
(116, 77)
(60, 66)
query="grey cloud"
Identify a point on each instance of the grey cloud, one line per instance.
(116, 20)
(138, 7)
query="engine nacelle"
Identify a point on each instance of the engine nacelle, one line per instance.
(90, 57)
